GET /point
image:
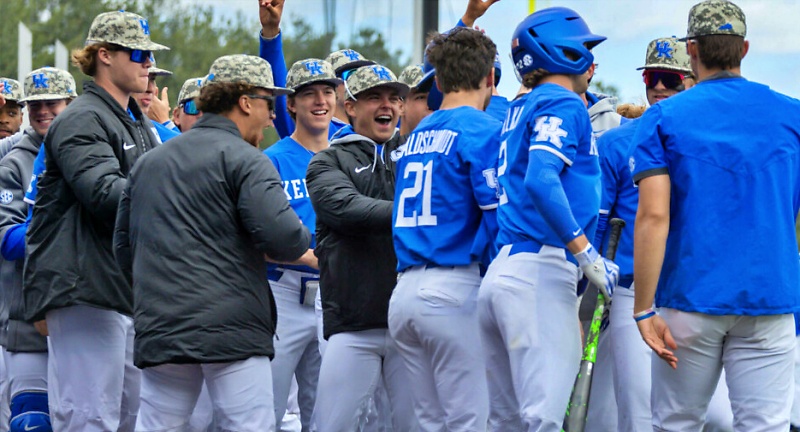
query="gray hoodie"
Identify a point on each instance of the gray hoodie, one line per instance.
(15, 173)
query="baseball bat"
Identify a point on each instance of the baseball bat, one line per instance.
(575, 419)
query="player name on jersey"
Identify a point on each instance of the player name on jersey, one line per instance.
(429, 141)
(514, 114)
(295, 189)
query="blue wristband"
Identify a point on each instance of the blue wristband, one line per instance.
(645, 316)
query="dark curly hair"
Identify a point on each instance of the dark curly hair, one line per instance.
(217, 98)
(720, 51)
(462, 58)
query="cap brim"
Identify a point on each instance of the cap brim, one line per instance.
(353, 65)
(279, 91)
(426, 82)
(403, 89)
(331, 81)
(667, 68)
(46, 97)
(150, 46)
(159, 72)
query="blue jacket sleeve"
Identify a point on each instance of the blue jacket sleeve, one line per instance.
(544, 187)
(13, 246)
(271, 50)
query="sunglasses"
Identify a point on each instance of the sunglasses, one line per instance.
(138, 56)
(190, 107)
(670, 79)
(270, 100)
(347, 73)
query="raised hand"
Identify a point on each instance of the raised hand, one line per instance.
(475, 10)
(159, 108)
(270, 13)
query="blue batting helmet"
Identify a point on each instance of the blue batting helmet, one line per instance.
(556, 39)
(428, 83)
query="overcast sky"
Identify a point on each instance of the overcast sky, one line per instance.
(774, 57)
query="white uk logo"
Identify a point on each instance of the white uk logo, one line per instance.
(548, 129)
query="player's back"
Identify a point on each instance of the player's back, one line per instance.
(733, 148)
(444, 180)
(552, 119)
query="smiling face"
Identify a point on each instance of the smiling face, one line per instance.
(10, 118)
(313, 106)
(41, 113)
(259, 117)
(375, 113)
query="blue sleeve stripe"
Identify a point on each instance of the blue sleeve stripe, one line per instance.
(551, 150)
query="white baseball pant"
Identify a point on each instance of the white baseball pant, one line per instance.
(240, 393)
(296, 347)
(26, 372)
(758, 356)
(433, 319)
(353, 364)
(92, 384)
(528, 309)
(5, 397)
(796, 404)
(632, 375)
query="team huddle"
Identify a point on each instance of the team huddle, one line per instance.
(416, 253)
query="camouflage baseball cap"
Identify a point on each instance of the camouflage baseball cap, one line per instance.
(122, 28)
(346, 59)
(716, 17)
(411, 75)
(311, 71)
(11, 90)
(190, 89)
(243, 68)
(153, 70)
(371, 76)
(667, 53)
(49, 83)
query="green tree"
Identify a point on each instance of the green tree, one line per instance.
(598, 86)
(370, 43)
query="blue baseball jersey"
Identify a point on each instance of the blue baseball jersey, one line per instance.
(731, 148)
(291, 160)
(549, 119)
(620, 196)
(498, 107)
(38, 168)
(445, 182)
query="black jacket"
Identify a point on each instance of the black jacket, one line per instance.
(195, 220)
(16, 169)
(90, 148)
(351, 185)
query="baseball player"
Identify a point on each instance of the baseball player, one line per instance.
(48, 91)
(11, 111)
(70, 276)
(155, 108)
(415, 105)
(549, 180)
(186, 112)
(351, 185)
(442, 193)
(192, 241)
(666, 73)
(311, 106)
(723, 272)
(271, 50)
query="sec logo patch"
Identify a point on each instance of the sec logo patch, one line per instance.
(6, 196)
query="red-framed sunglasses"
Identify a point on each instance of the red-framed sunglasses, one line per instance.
(670, 79)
